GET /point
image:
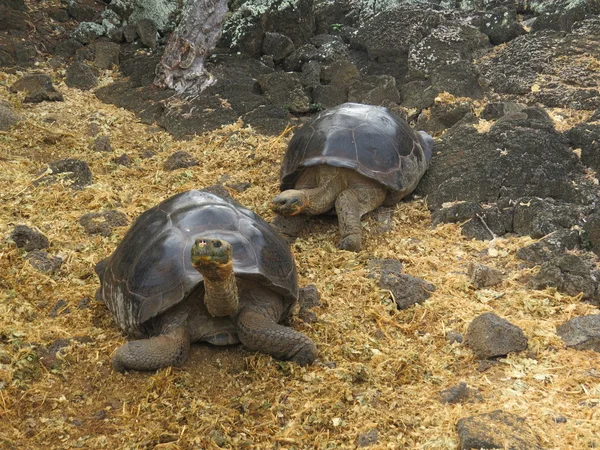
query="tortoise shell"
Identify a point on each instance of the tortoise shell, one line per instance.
(151, 269)
(369, 139)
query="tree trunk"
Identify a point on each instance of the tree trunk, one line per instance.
(182, 65)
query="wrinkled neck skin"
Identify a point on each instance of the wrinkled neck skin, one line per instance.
(220, 290)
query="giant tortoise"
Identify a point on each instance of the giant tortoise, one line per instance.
(198, 267)
(349, 159)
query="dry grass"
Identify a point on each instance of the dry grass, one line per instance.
(381, 368)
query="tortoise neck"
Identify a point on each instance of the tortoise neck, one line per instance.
(220, 290)
(329, 183)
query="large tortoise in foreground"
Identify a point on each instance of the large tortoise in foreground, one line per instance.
(350, 159)
(198, 267)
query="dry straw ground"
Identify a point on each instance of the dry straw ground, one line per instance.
(380, 368)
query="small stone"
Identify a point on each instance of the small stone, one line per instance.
(277, 45)
(107, 54)
(309, 296)
(490, 336)
(497, 429)
(406, 290)
(61, 307)
(240, 187)
(84, 303)
(458, 394)
(122, 160)
(180, 160)
(67, 48)
(146, 153)
(75, 171)
(367, 439)
(102, 223)
(40, 96)
(218, 190)
(146, 30)
(307, 316)
(7, 117)
(581, 333)
(81, 76)
(32, 82)
(101, 144)
(454, 337)
(29, 239)
(484, 276)
(559, 419)
(378, 267)
(42, 261)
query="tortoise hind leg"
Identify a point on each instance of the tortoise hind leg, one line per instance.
(350, 206)
(258, 331)
(154, 353)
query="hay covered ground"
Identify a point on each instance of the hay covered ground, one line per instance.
(379, 368)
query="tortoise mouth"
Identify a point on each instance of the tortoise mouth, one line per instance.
(210, 252)
(287, 204)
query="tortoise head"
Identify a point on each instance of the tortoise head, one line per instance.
(211, 254)
(289, 203)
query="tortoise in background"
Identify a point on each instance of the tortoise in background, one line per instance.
(349, 159)
(198, 267)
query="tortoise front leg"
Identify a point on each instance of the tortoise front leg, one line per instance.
(289, 227)
(261, 333)
(154, 353)
(350, 206)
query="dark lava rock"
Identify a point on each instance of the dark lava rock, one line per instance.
(341, 73)
(484, 276)
(218, 190)
(33, 82)
(516, 158)
(12, 21)
(123, 160)
(106, 54)
(283, 88)
(147, 32)
(379, 267)
(560, 15)
(180, 160)
(43, 96)
(367, 439)
(7, 117)
(550, 246)
(87, 32)
(490, 336)
(81, 76)
(101, 144)
(591, 232)
(418, 94)
(311, 75)
(581, 333)
(374, 90)
(479, 222)
(102, 223)
(495, 110)
(76, 172)
(81, 12)
(586, 136)
(406, 290)
(277, 45)
(29, 239)
(459, 394)
(44, 262)
(570, 274)
(442, 116)
(309, 296)
(445, 45)
(500, 25)
(61, 307)
(67, 48)
(389, 36)
(329, 96)
(48, 354)
(496, 430)
(538, 217)
(514, 69)
(460, 78)
(245, 29)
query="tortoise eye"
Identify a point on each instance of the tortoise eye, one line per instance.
(217, 244)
